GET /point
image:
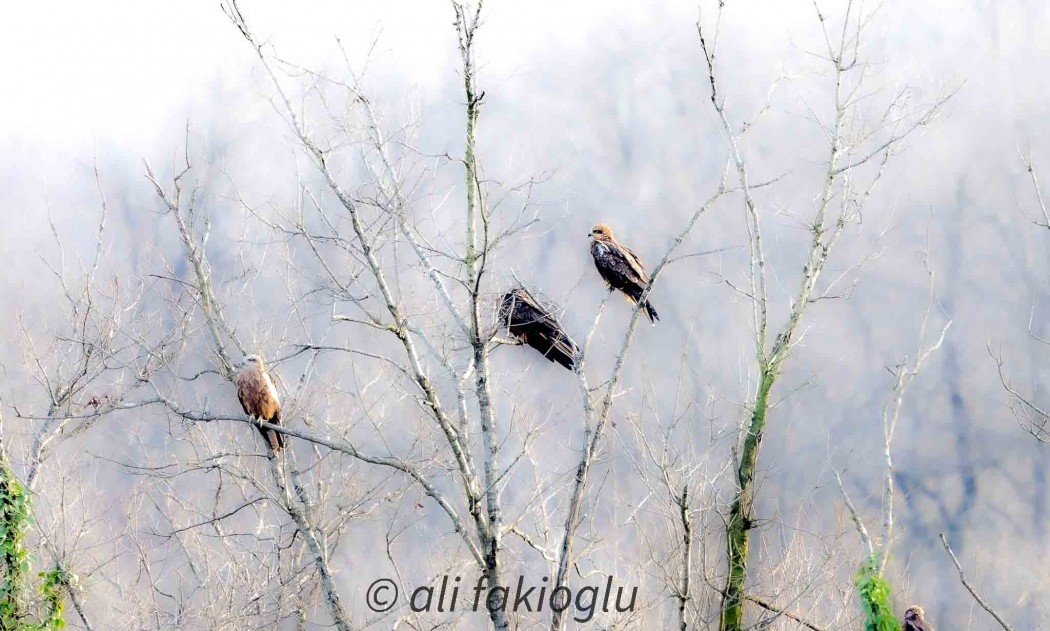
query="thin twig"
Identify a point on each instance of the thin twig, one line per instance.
(970, 588)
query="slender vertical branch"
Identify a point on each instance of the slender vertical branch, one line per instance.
(684, 594)
(475, 259)
(970, 588)
(313, 538)
(596, 416)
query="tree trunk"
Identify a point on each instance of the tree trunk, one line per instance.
(738, 530)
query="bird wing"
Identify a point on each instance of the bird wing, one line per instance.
(636, 263)
(528, 310)
(242, 394)
(555, 343)
(244, 402)
(276, 439)
(531, 321)
(618, 266)
(271, 390)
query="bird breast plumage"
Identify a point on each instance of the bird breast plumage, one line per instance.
(258, 394)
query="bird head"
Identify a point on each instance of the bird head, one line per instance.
(253, 361)
(601, 232)
(914, 612)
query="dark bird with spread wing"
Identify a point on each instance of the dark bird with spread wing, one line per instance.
(533, 324)
(620, 268)
(914, 620)
(259, 398)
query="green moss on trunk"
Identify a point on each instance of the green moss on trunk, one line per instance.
(738, 530)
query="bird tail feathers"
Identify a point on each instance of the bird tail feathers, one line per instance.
(649, 311)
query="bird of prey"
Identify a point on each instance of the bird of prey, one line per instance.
(259, 398)
(533, 324)
(914, 621)
(620, 268)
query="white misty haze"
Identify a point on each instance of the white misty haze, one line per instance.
(610, 99)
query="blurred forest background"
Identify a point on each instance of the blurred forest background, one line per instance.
(591, 113)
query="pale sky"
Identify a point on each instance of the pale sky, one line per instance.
(121, 71)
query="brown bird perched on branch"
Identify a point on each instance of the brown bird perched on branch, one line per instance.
(535, 325)
(259, 398)
(620, 268)
(914, 621)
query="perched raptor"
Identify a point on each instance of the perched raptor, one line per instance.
(620, 268)
(914, 621)
(533, 324)
(259, 398)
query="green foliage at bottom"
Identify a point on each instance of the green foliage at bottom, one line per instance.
(54, 581)
(14, 523)
(874, 591)
(16, 598)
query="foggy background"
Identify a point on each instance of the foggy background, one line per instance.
(609, 104)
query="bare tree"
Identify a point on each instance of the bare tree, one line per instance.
(92, 362)
(855, 141)
(1030, 414)
(877, 548)
(370, 283)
